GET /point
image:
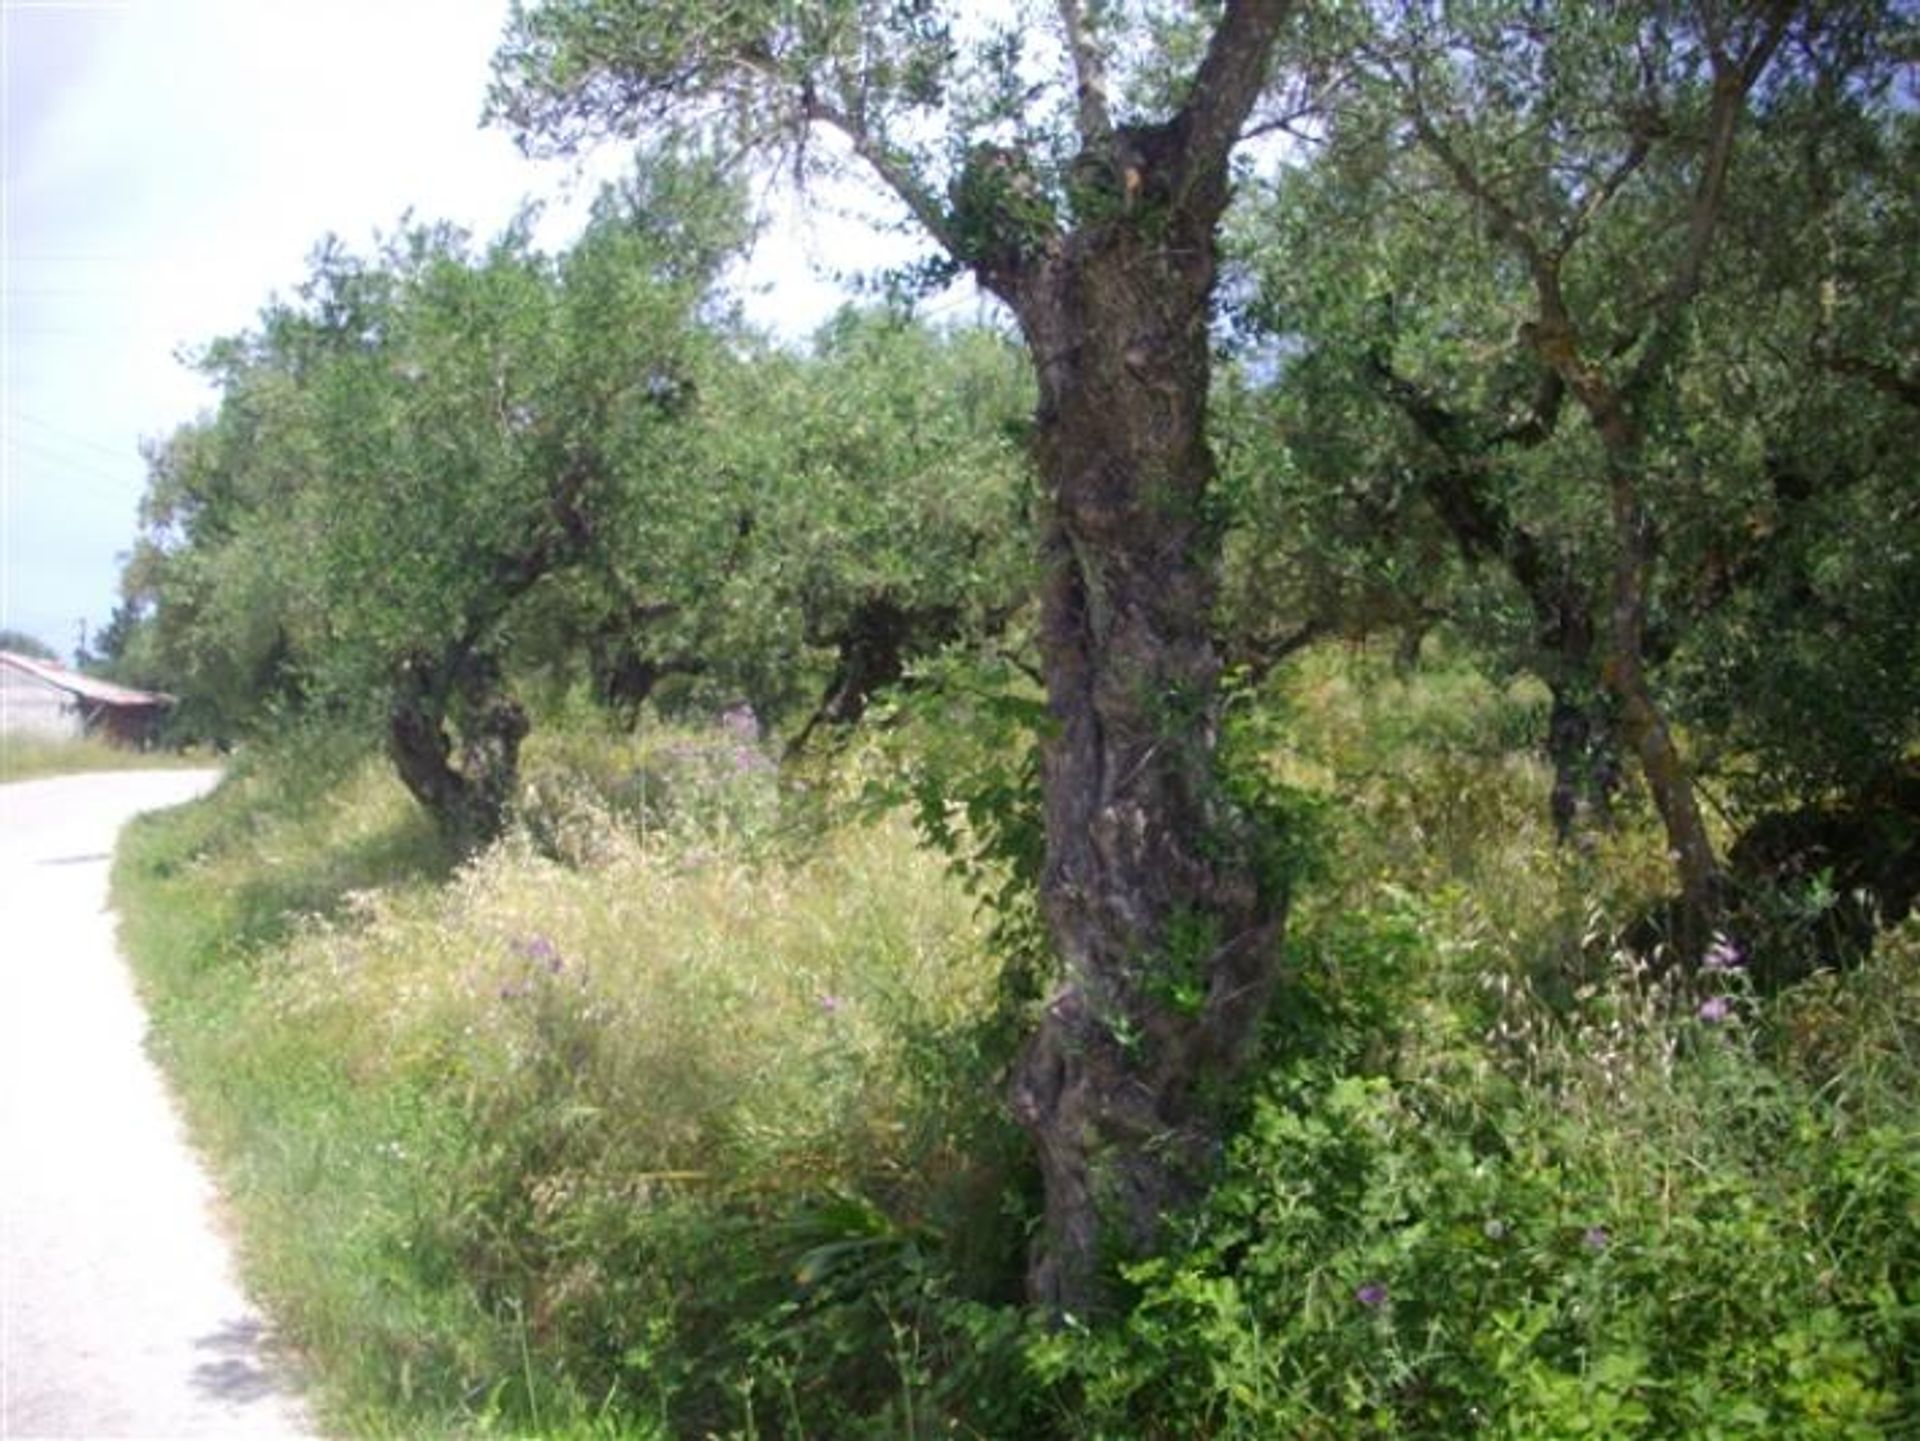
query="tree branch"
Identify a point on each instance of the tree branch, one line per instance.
(1260, 655)
(1542, 416)
(1225, 87)
(1456, 488)
(1602, 194)
(1506, 220)
(891, 170)
(1733, 81)
(1090, 78)
(888, 168)
(1889, 380)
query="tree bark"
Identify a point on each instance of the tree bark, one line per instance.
(468, 800)
(1643, 726)
(1167, 936)
(1584, 752)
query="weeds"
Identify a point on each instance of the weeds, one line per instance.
(29, 757)
(627, 1115)
(677, 1113)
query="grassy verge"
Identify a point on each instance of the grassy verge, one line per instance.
(24, 758)
(613, 1134)
(677, 1115)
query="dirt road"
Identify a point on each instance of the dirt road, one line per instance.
(119, 1314)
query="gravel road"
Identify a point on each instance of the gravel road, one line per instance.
(119, 1313)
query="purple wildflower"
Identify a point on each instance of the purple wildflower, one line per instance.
(1715, 1009)
(1722, 955)
(831, 1004)
(1373, 1295)
(541, 951)
(1596, 1238)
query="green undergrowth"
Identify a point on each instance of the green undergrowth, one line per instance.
(652, 1120)
(1663, 1210)
(678, 1113)
(1501, 1176)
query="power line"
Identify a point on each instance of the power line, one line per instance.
(68, 436)
(70, 469)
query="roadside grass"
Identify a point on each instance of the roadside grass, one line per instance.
(678, 1114)
(25, 757)
(582, 1138)
(1620, 1218)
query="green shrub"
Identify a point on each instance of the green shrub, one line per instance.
(1619, 1220)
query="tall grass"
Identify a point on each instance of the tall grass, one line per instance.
(587, 1133)
(29, 757)
(677, 1114)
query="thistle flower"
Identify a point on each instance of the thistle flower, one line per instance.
(1596, 1238)
(1722, 955)
(1715, 1009)
(540, 951)
(1373, 1295)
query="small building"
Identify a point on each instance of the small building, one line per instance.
(43, 698)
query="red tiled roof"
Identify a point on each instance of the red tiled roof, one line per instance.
(84, 686)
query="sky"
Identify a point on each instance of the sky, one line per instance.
(169, 165)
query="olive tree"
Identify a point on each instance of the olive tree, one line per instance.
(1076, 159)
(1592, 288)
(421, 446)
(887, 490)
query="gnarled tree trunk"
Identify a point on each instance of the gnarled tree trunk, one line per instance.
(1167, 936)
(468, 798)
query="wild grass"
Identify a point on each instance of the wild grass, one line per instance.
(678, 1114)
(29, 757)
(1502, 1176)
(580, 1130)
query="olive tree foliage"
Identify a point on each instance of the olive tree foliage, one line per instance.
(1802, 661)
(408, 456)
(221, 566)
(1076, 159)
(1537, 203)
(842, 511)
(1326, 536)
(886, 489)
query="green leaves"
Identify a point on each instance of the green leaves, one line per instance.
(411, 454)
(1494, 174)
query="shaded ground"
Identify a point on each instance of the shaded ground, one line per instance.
(119, 1313)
